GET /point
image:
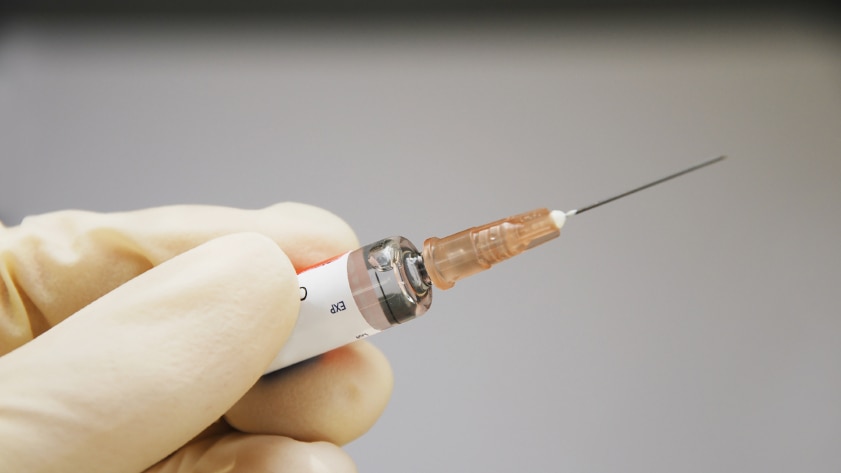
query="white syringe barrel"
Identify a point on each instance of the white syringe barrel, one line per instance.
(356, 295)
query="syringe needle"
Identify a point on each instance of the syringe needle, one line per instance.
(454, 257)
(646, 186)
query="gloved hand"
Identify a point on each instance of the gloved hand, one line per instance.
(176, 312)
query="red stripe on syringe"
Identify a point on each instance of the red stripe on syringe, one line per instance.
(321, 263)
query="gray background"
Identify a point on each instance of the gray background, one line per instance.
(691, 328)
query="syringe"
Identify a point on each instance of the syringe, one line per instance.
(389, 282)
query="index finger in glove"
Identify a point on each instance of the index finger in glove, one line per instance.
(52, 265)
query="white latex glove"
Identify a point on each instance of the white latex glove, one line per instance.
(176, 312)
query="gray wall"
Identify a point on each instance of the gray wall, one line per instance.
(691, 328)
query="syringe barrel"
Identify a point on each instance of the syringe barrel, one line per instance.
(356, 295)
(389, 282)
(476, 249)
